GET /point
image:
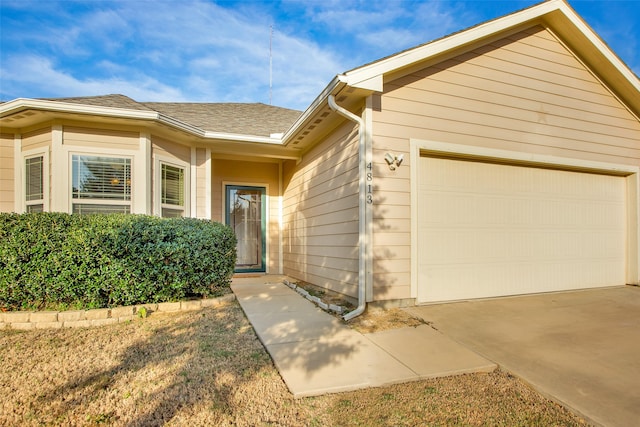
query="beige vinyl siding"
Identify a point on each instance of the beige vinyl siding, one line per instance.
(391, 230)
(391, 224)
(320, 217)
(201, 177)
(260, 174)
(36, 139)
(7, 173)
(499, 98)
(168, 148)
(109, 138)
(524, 93)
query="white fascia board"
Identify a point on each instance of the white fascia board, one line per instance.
(242, 138)
(170, 121)
(602, 47)
(19, 104)
(67, 107)
(375, 83)
(448, 43)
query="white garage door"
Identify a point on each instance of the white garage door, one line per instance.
(490, 230)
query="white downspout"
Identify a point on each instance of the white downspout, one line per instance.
(362, 263)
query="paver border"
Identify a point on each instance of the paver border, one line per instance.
(337, 309)
(28, 320)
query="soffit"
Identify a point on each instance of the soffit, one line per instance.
(320, 120)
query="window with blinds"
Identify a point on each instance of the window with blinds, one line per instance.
(101, 184)
(34, 184)
(172, 191)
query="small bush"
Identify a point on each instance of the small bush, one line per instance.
(60, 260)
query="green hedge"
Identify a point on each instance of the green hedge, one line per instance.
(55, 260)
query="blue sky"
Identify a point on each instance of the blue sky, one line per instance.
(218, 51)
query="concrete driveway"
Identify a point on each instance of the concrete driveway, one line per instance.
(580, 348)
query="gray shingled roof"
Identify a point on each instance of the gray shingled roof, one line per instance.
(236, 118)
(115, 101)
(246, 119)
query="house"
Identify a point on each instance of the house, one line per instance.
(501, 160)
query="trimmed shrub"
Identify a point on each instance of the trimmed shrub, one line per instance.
(60, 260)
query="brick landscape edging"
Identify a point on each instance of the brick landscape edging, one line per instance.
(338, 309)
(25, 320)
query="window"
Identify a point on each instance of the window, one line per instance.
(101, 184)
(172, 191)
(34, 184)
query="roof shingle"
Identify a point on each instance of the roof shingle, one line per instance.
(235, 118)
(114, 101)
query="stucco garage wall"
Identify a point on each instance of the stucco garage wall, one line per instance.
(526, 93)
(265, 174)
(320, 219)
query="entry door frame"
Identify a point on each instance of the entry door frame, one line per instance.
(264, 188)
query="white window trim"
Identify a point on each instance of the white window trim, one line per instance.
(29, 154)
(101, 153)
(158, 161)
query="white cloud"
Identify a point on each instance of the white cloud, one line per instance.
(39, 75)
(202, 51)
(353, 19)
(166, 50)
(199, 50)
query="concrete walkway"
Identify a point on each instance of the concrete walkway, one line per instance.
(317, 353)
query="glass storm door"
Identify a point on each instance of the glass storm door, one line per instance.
(245, 213)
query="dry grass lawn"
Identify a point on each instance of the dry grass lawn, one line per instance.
(208, 368)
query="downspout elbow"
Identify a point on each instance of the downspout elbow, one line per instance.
(345, 113)
(362, 298)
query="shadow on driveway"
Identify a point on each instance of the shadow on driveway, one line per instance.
(579, 348)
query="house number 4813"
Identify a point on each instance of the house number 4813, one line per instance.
(369, 183)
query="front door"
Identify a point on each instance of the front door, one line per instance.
(245, 213)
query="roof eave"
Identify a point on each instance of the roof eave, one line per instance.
(242, 138)
(596, 53)
(316, 105)
(20, 104)
(554, 14)
(448, 43)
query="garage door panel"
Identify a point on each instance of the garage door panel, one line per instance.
(468, 281)
(491, 245)
(492, 229)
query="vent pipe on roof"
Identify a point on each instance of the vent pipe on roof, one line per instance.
(362, 207)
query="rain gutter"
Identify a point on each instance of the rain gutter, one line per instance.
(362, 208)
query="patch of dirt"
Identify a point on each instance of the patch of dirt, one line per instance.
(372, 320)
(207, 367)
(326, 295)
(376, 320)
